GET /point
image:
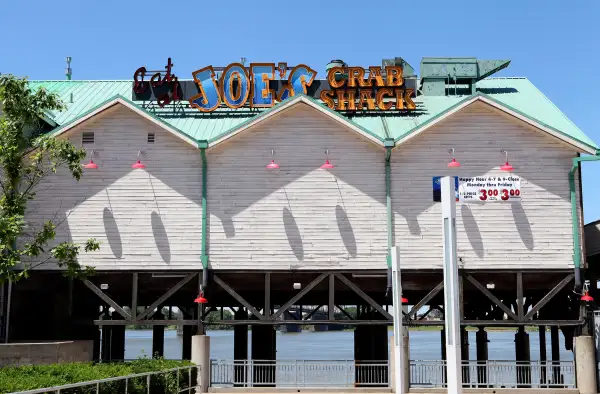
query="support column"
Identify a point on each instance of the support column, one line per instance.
(523, 358)
(543, 356)
(406, 360)
(117, 343)
(405, 363)
(444, 369)
(557, 378)
(263, 355)
(158, 338)
(240, 349)
(106, 339)
(186, 345)
(201, 357)
(481, 341)
(464, 356)
(370, 347)
(585, 364)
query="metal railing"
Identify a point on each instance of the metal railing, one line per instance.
(509, 374)
(168, 381)
(299, 373)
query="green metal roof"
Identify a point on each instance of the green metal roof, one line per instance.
(516, 94)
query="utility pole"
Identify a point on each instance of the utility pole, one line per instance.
(398, 337)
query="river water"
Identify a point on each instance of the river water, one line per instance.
(335, 345)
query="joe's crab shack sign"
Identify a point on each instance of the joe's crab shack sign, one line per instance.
(262, 85)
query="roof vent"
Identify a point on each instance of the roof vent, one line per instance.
(439, 75)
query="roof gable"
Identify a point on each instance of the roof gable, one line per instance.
(119, 100)
(287, 104)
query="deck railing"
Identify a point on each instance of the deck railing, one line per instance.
(496, 373)
(423, 373)
(299, 373)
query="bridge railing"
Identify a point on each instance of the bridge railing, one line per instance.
(496, 374)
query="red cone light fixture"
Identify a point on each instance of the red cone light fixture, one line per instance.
(91, 165)
(506, 166)
(587, 297)
(404, 300)
(200, 299)
(272, 165)
(327, 165)
(453, 163)
(138, 164)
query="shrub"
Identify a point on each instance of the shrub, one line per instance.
(44, 376)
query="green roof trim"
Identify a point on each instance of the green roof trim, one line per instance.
(288, 101)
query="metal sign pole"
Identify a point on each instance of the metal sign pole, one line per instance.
(397, 304)
(451, 290)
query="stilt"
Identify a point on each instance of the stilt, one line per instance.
(117, 343)
(481, 341)
(263, 355)
(106, 339)
(444, 370)
(158, 338)
(96, 345)
(585, 362)
(370, 347)
(240, 349)
(557, 379)
(523, 358)
(186, 345)
(543, 356)
(464, 352)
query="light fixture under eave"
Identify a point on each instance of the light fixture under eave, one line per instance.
(587, 297)
(404, 300)
(327, 165)
(272, 165)
(138, 164)
(506, 166)
(91, 165)
(453, 163)
(200, 299)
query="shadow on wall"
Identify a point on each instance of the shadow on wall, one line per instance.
(160, 237)
(112, 233)
(346, 231)
(293, 234)
(523, 225)
(472, 230)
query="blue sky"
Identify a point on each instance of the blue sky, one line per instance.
(554, 44)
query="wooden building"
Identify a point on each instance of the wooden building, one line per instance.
(205, 214)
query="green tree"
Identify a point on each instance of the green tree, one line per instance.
(27, 157)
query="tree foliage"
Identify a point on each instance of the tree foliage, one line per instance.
(27, 157)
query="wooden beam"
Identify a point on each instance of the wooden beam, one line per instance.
(267, 294)
(238, 298)
(520, 308)
(345, 313)
(107, 299)
(413, 312)
(300, 294)
(313, 312)
(364, 296)
(331, 306)
(150, 310)
(559, 286)
(492, 297)
(146, 322)
(134, 294)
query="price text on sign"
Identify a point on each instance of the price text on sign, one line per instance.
(489, 188)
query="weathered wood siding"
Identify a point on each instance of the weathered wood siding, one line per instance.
(145, 218)
(535, 233)
(300, 216)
